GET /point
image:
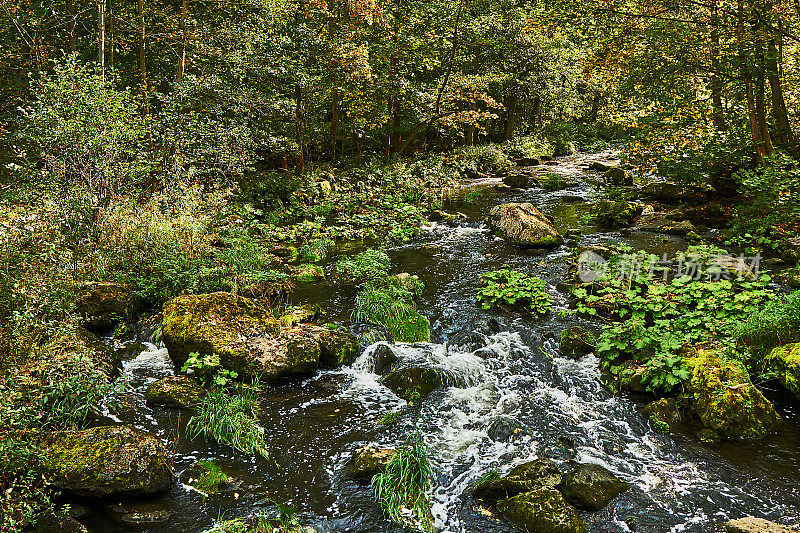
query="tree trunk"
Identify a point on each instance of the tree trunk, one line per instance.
(184, 40)
(511, 101)
(784, 137)
(760, 100)
(716, 80)
(334, 119)
(101, 36)
(143, 57)
(397, 135)
(537, 104)
(71, 26)
(110, 32)
(298, 112)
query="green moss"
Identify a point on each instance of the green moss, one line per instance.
(785, 361)
(210, 477)
(309, 273)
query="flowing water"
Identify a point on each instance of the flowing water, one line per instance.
(510, 398)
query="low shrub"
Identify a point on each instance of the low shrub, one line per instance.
(369, 266)
(514, 289)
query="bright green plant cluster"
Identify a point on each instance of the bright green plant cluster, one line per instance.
(514, 289)
(371, 265)
(392, 306)
(651, 319)
(389, 418)
(404, 485)
(208, 369)
(212, 478)
(231, 419)
(776, 324)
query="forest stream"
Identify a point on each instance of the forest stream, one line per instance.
(510, 398)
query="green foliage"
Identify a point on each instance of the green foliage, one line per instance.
(775, 324)
(231, 419)
(404, 484)
(515, 289)
(389, 418)
(653, 318)
(773, 190)
(25, 492)
(212, 478)
(208, 369)
(369, 266)
(316, 250)
(392, 306)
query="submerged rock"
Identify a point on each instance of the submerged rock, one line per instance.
(576, 342)
(757, 525)
(57, 522)
(524, 226)
(413, 383)
(727, 401)
(591, 487)
(543, 511)
(368, 461)
(104, 304)
(504, 428)
(179, 392)
(541, 473)
(785, 361)
(106, 461)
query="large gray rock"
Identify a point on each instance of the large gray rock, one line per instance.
(591, 487)
(757, 525)
(106, 461)
(521, 224)
(542, 511)
(659, 223)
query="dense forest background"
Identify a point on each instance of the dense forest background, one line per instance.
(173, 147)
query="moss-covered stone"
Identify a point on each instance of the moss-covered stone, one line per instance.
(522, 225)
(541, 473)
(298, 315)
(591, 487)
(576, 342)
(57, 522)
(308, 273)
(174, 391)
(214, 323)
(106, 461)
(658, 223)
(785, 361)
(617, 177)
(338, 347)
(368, 461)
(615, 214)
(101, 305)
(543, 511)
(665, 410)
(726, 400)
(517, 180)
(413, 383)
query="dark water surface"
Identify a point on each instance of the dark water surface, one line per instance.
(314, 424)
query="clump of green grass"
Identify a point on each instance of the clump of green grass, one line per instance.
(404, 485)
(316, 250)
(388, 418)
(369, 266)
(392, 306)
(777, 323)
(230, 419)
(211, 478)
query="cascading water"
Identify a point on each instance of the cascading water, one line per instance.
(509, 399)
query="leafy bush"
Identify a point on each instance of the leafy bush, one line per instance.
(231, 419)
(404, 483)
(208, 369)
(25, 492)
(369, 266)
(515, 289)
(653, 318)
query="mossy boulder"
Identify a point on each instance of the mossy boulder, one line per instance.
(308, 273)
(726, 400)
(669, 192)
(57, 522)
(615, 214)
(413, 383)
(522, 225)
(658, 223)
(214, 323)
(541, 473)
(179, 392)
(785, 361)
(338, 347)
(102, 305)
(517, 181)
(591, 487)
(617, 177)
(106, 461)
(543, 511)
(576, 342)
(299, 315)
(368, 461)
(665, 411)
